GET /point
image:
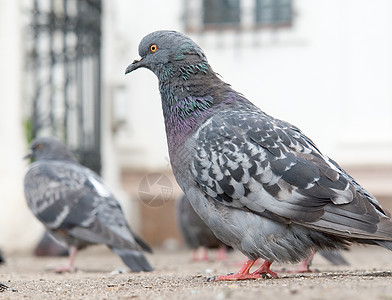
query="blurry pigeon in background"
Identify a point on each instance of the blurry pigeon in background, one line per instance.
(259, 183)
(76, 207)
(195, 232)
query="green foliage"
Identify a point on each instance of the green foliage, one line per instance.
(28, 129)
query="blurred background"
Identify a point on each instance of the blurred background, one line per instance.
(325, 66)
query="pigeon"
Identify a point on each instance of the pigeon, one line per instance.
(195, 232)
(75, 206)
(260, 184)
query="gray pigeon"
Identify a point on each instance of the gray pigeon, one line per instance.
(195, 232)
(76, 207)
(259, 183)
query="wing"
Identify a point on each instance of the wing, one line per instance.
(71, 198)
(252, 161)
(58, 194)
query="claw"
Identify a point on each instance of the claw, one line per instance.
(243, 273)
(265, 270)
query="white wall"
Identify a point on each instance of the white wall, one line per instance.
(142, 144)
(330, 74)
(18, 228)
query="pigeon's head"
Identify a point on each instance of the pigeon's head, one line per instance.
(49, 148)
(165, 51)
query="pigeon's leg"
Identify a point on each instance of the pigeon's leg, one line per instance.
(70, 266)
(204, 254)
(242, 274)
(265, 269)
(194, 255)
(222, 253)
(303, 267)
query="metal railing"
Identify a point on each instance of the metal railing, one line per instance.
(63, 64)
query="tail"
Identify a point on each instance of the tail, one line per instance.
(334, 257)
(134, 259)
(142, 243)
(385, 228)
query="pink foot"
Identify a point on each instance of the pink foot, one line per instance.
(203, 257)
(265, 269)
(195, 257)
(204, 254)
(222, 253)
(64, 269)
(243, 273)
(236, 277)
(303, 267)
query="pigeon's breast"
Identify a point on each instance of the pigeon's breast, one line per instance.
(181, 158)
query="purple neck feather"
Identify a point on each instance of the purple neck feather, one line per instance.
(185, 116)
(179, 124)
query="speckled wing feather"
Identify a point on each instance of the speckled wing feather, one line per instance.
(70, 198)
(251, 161)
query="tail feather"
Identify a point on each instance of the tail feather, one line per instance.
(334, 257)
(142, 244)
(134, 259)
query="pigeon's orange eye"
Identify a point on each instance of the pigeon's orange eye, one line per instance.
(153, 48)
(39, 146)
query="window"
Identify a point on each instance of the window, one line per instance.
(203, 15)
(221, 12)
(63, 75)
(273, 12)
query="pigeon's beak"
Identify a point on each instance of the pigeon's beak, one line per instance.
(136, 64)
(28, 156)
